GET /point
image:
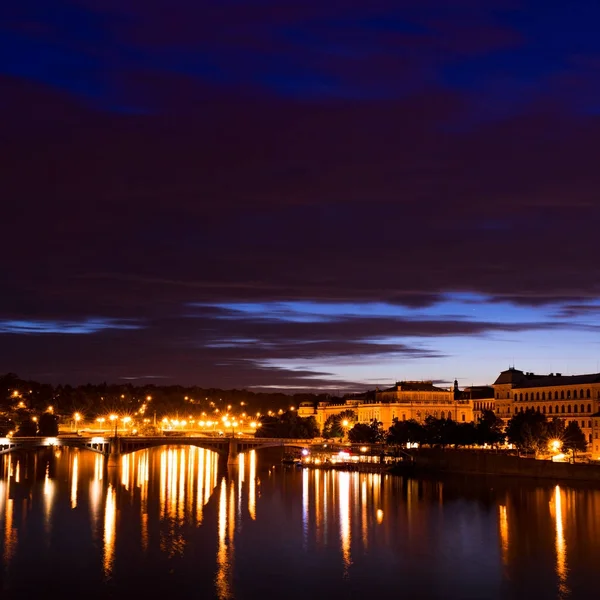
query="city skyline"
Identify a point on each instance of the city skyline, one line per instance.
(298, 197)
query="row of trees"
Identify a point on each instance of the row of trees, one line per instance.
(529, 431)
(288, 425)
(46, 425)
(532, 432)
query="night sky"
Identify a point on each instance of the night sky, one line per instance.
(298, 194)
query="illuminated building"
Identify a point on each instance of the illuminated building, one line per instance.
(482, 397)
(404, 401)
(595, 443)
(568, 397)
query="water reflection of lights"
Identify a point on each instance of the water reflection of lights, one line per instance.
(503, 524)
(199, 495)
(96, 492)
(181, 491)
(561, 546)
(48, 498)
(344, 510)
(222, 579)
(252, 485)
(231, 518)
(305, 506)
(317, 503)
(210, 474)
(125, 462)
(342, 503)
(110, 521)
(185, 482)
(241, 477)
(142, 484)
(10, 533)
(363, 501)
(74, 480)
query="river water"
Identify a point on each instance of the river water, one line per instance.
(173, 523)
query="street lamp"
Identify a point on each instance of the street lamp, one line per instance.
(76, 419)
(345, 424)
(116, 421)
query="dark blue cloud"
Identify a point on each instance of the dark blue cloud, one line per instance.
(81, 327)
(502, 55)
(385, 183)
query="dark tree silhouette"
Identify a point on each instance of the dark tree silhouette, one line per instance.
(27, 428)
(405, 432)
(490, 429)
(288, 425)
(363, 433)
(574, 439)
(528, 431)
(48, 425)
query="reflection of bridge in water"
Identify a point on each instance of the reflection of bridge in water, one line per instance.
(116, 446)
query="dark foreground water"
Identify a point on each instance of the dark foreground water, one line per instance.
(169, 523)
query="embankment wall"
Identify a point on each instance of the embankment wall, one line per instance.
(490, 463)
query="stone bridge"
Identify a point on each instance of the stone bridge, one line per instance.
(115, 446)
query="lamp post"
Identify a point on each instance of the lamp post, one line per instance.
(116, 421)
(126, 420)
(76, 419)
(345, 424)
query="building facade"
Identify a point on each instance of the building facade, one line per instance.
(568, 397)
(404, 401)
(595, 444)
(483, 399)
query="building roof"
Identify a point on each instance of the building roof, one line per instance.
(519, 379)
(415, 386)
(477, 392)
(511, 375)
(555, 379)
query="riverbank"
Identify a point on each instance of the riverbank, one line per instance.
(489, 463)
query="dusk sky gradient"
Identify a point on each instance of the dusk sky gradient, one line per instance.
(298, 195)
